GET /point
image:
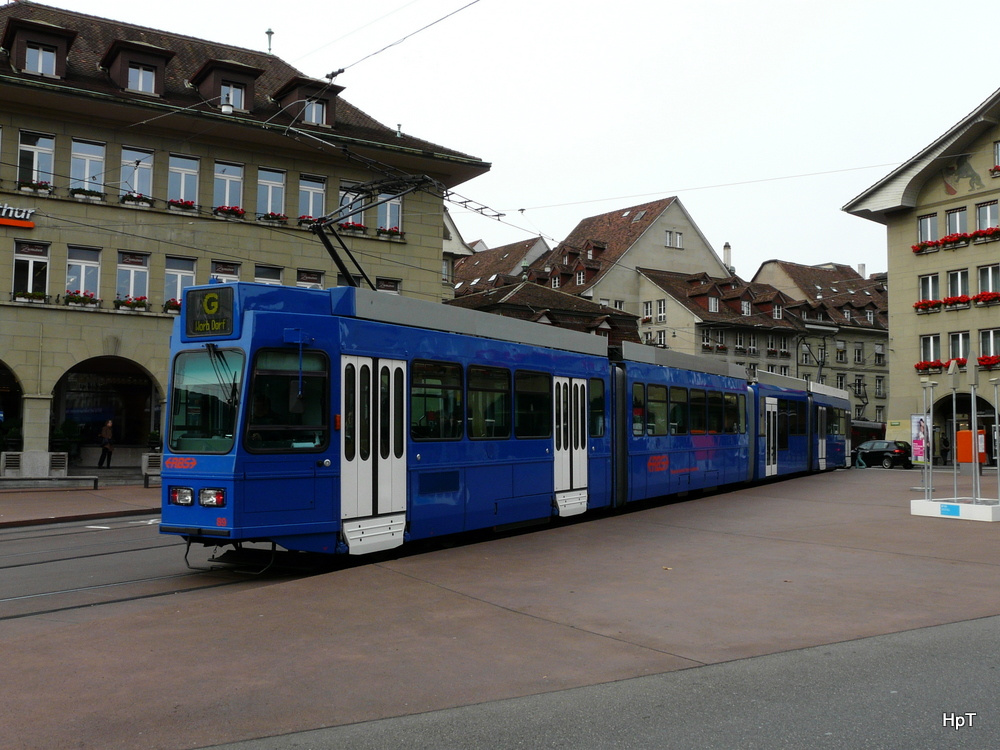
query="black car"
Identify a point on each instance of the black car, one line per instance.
(884, 453)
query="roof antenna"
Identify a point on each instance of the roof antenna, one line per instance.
(269, 35)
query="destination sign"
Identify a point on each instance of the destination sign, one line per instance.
(209, 311)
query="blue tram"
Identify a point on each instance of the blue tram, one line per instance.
(348, 421)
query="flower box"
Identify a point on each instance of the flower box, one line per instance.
(647, 319)
(29, 297)
(984, 299)
(81, 299)
(85, 194)
(933, 365)
(352, 226)
(175, 204)
(136, 200)
(928, 305)
(132, 304)
(229, 212)
(41, 187)
(988, 361)
(784, 353)
(392, 233)
(172, 306)
(995, 171)
(274, 218)
(306, 221)
(720, 347)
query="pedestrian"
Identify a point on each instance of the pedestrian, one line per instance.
(945, 445)
(107, 447)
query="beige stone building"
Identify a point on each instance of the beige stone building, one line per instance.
(940, 212)
(134, 163)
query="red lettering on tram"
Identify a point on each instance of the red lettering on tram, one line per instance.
(181, 462)
(658, 463)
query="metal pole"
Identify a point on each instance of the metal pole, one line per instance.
(954, 438)
(975, 446)
(996, 427)
(923, 466)
(929, 448)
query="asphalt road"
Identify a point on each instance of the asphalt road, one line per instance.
(930, 688)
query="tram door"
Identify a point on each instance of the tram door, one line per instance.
(770, 436)
(821, 436)
(373, 453)
(570, 433)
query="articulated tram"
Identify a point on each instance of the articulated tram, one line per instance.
(351, 421)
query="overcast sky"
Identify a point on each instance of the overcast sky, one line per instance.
(763, 117)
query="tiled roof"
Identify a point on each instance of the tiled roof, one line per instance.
(834, 283)
(616, 230)
(505, 259)
(96, 35)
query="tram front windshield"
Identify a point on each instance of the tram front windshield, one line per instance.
(205, 399)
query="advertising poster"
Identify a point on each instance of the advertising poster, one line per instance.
(920, 439)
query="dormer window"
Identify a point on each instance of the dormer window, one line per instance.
(713, 304)
(234, 94)
(40, 59)
(776, 312)
(227, 83)
(314, 113)
(581, 277)
(37, 48)
(137, 67)
(746, 307)
(142, 78)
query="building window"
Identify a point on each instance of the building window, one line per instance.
(989, 342)
(841, 380)
(859, 411)
(879, 413)
(783, 343)
(182, 181)
(137, 172)
(270, 192)
(776, 312)
(713, 304)
(314, 113)
(847, 314)
(233, 93)
(309, 279)
(555, 282)
(390, 213)
(225, 271)
(783, 370)
(619, 304)
(35, 156)
(956, 221)
(350, 201)
(180, 275)
(228, 184)
(661, 311)
(142, 78)
(706, 337)
(958, 344)
(841, 351)
(86, 169)
(958, 283)
(31, 268)
(312, 196)
(752, 369)
(928, 286)
(605, 302)
(879, 386)
(752, 342)
(133, 275)
(669, 242)
(720, 337)
(83, 270)
(647, 309)
(770, 368)
(880, 354)
(859, 354)
(746, 307)
(679, 240)
(447, 268)
(267, 274)
(40, 59)
(661, 338)
(927, 228)
(739, 340)
(989, 278)
(986, 215)
(870, 316)
(581, 277)
(930, 347)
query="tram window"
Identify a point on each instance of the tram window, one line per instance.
(384, 410)
(204, 403)
(638, 409)
(489, 403)
(783, 424)
(732, 413)
(350, 400)
(698, 407)
(287, 409)
(436, 401)
(656, 412)
(741, 400)
(532, 404)
(398, 397)
(678, 411)
(716, 416)
(596, 408)
(803, 411)
(365, 413)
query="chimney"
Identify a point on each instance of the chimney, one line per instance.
(861, 270)
(727, 256)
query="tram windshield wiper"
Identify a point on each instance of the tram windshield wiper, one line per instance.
(222, 370)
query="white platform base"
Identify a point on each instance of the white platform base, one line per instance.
(571, 503)
(374, 534)
(959, 507)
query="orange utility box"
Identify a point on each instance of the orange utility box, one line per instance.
(963, 446)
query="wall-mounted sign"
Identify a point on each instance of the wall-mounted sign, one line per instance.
(12, 216)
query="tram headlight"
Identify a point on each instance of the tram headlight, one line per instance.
(212, 498)
(181, 496)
